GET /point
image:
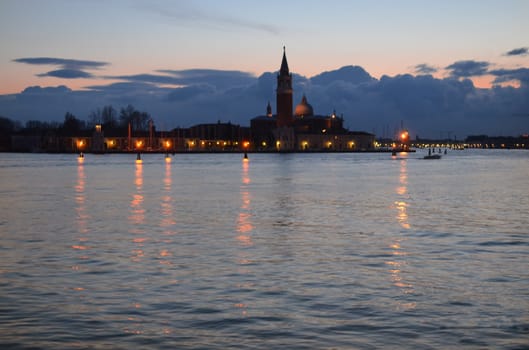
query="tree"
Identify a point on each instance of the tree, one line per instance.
(71, 124)
(7, 126)
(139, 121)
(94, 117)
(109, 117)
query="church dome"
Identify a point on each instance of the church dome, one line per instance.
(303, 109)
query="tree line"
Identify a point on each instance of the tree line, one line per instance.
(108, 117)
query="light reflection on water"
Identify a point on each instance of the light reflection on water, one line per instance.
(282, 251)
(398, 264)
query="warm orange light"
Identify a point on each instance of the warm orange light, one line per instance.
(139, 144)
(404, 136)
(167, 144)
(98, 127)
(246, 144)
(168, 159)
(139, 161)
(80, 144)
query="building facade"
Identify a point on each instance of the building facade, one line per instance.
(302, 130)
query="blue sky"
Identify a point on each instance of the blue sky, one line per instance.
(191, 61)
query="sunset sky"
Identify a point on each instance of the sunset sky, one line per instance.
(85, 44)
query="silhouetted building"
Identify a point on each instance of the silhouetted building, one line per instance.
(302, 130)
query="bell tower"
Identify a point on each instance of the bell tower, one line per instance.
(284, 94)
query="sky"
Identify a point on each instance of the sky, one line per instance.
(437, 67)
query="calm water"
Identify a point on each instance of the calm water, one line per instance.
(293, 251)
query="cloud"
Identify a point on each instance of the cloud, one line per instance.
(428, 106)
(190, 14)
(220, 79)
(66, 74)
(147, 78)
(189, 93)
(522, 51)
(425, 69)
(61, 62)
(505, 75)
(37, 90)
(217, 78)
(351, 74)
(69, 68)
(468, 68)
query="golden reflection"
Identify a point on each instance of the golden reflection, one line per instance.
(244, 223)
(167, 221)
(80, 200)
(167, 210)
(82, 216)
(397, 265)
(244, 238)
(397, 269)
(402, 190)
(137, 214)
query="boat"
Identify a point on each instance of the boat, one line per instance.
(432, 156)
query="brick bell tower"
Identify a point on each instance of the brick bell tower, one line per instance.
(284, 94)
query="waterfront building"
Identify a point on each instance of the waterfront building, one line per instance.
(302, 130)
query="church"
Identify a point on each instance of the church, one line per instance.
(299, 129)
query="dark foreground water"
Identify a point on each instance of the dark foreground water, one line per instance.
(286, 251)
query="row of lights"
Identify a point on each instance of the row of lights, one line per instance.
(139, 144)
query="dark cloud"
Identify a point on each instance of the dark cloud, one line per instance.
(428, 106)
(37, 90)
(506, 75)
(125, 87)
(62, 62)
(351, 74)
(191, 92)
(66, 74)
(468, 68)
(522, 51)
(147, 78)
(220, 79)
(69, 68)
(425, 69)
(217, 78)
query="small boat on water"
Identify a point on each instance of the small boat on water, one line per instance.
(432, 156)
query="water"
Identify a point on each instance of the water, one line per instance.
(294, 251)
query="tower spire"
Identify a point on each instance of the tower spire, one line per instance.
(284, 94)
(284, 64)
